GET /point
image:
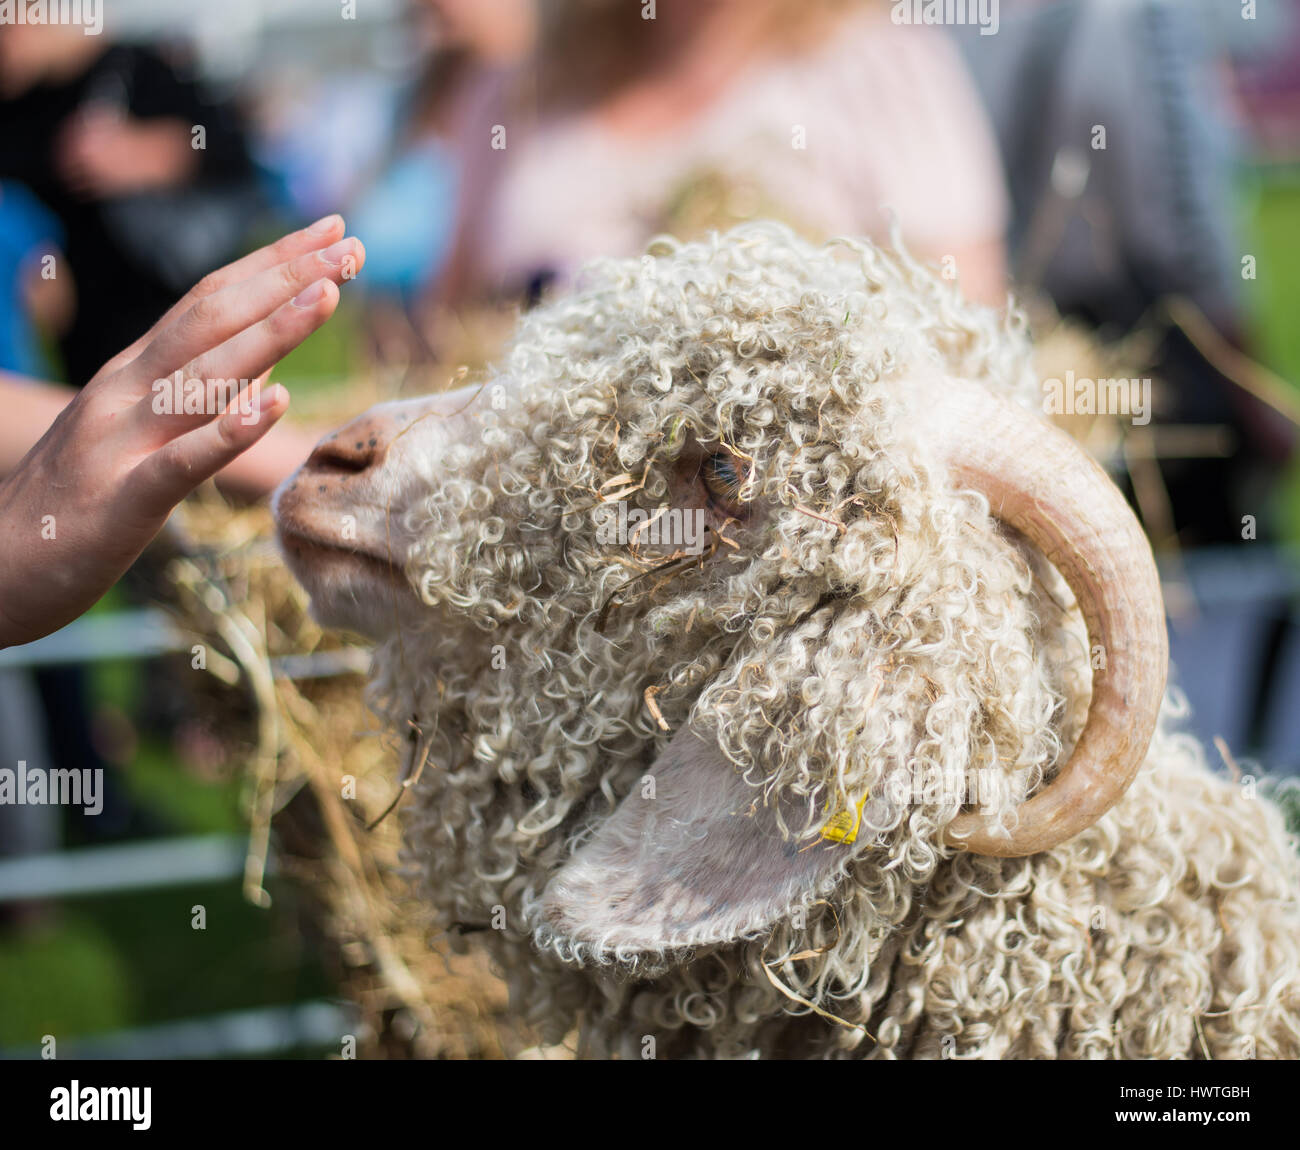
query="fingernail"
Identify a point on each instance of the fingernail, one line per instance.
(321, 226)
(264, 401)
(335, 254)
(310, 295)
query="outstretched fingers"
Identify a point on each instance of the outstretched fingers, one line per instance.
(222, 315)
(322, 233)
(165, 477)
(178, 403)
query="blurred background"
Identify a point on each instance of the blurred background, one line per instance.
(1130, 169)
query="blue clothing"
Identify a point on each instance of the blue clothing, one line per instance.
(406, 220)
(27, 231)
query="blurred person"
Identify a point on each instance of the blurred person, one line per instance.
(825, 114)
(1121, 154)
(1112, 127)
(31, 300)
(1126, 139)
(105, 135)
(407, 215)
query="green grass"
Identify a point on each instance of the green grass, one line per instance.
(329, 357)
(117, 961)
(1273, 235)
(126, 960)
(132, 960)
(62, 979)
(1271, 228)
(179, 799)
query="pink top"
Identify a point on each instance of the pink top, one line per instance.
(887, 117)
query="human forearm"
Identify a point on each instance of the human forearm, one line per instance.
(270, 461)
(29, 407)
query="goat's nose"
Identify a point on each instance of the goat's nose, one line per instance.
(354, 448)
(363, 445)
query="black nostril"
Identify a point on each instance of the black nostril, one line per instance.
(347, 455)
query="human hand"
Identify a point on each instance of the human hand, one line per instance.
(102, 153)
(170, 411)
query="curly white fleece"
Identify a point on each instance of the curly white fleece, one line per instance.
(825, 659)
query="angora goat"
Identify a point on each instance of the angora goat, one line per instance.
(874, 767)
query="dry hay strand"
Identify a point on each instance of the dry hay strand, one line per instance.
(1063, 345)
(1141, 452)
(319, 770)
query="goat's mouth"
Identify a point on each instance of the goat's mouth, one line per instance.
(322, 546)
(306, 552)
(351, 588)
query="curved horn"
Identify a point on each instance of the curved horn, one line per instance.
(1039, 481)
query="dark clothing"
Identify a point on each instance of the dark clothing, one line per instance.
(120, 291)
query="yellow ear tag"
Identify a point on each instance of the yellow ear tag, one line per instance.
(842, 827)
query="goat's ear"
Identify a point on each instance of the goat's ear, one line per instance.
(692, 857)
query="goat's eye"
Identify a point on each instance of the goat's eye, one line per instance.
(724, 474)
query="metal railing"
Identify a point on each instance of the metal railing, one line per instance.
(136, 634)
